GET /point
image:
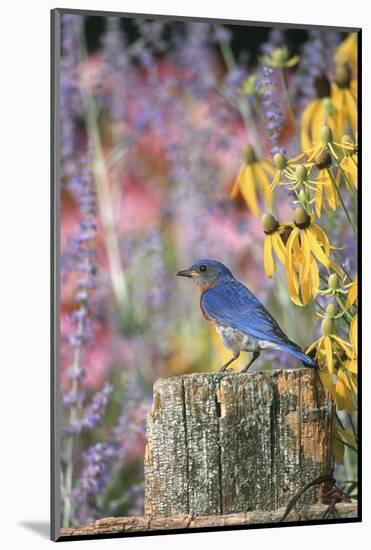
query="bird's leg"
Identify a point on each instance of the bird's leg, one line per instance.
(254, 357)
(224, 367)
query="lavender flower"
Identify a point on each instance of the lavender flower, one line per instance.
(70, 98)
(272, 113)
(97, 462)
(116, 68)
(94, 412)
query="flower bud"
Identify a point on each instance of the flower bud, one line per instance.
(270, 224)
(279, 161)
(280, 56)
(249, 155)
(327, 326)
(301, 218)
(333, 281)
(301, 173)
(325, 135)
(331, 310)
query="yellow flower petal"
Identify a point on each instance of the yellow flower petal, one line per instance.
(328, 351)
(305, 258)
(269, 267)
(248, 190)
(344, 396)
(279, 248)
(352, 293)
(316, 248)
(237, 183)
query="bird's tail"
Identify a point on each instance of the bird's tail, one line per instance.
(296, 351)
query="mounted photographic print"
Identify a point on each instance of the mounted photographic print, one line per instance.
(205, 298)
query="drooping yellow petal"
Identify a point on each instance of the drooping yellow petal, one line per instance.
(318, 200)
(269, 267)
(314, 277)
(292, 279)
(316, 248)
(353, 335)
(344, 345)
(248, 190)
(351, 109)
(351, 365)
(309, 113)
(352, 293)
(237, 183)
(306, 291)
(327, 380)
(344, 396)
(264, 184)
(268, 167)
(279, 248)
(331, 195)
(305, 257)
(347, 52)
(322, 237)
(328, 352)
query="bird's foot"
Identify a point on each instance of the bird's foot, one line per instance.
(226, 369)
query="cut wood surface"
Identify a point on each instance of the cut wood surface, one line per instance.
(142, 523)
(226, 443)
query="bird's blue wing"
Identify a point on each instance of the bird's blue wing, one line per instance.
(233, 305)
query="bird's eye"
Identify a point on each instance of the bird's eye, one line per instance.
(203, 268)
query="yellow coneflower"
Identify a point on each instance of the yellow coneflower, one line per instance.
(284, 168)
(319, 112)
(347, 52)
(325, 142)
(335, 286)
(344, 98)
(352, 293)
(306, 245)
(273, 242)
(300, 178)
(253, 180)
(349, 163)
(337, 380)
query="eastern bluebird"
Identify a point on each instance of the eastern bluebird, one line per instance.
(237, 315)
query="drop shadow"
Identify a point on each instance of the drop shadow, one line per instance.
(42, 528)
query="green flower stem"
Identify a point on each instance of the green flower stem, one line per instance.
(343, 308)
(285, 87)
(249, 122)
(68, 482)
(105, 203)
(342, 202)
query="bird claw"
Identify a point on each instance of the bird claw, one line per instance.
(226, 369)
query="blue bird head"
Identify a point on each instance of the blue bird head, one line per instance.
(207, 273)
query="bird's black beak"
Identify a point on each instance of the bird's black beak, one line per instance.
(186, 273)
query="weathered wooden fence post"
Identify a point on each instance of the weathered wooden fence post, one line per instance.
(226, 443)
